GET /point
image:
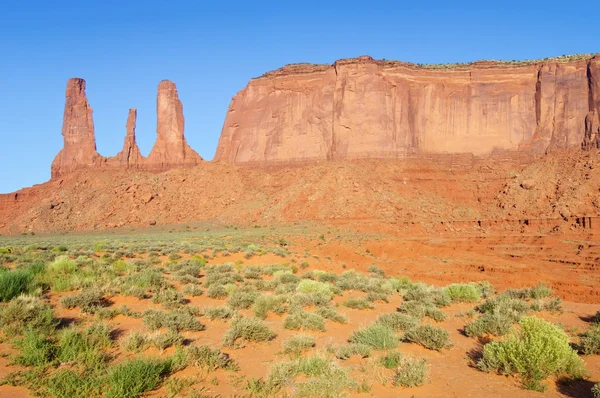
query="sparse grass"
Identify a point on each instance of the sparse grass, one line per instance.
(209, 359)
(429, 336)
(391, 360)
(163, 341)
(249, 329)
(134, 342)
(536, 351)
(221, 313)
(398, 321)
(359, 303)
(411, 372)
(378, 336)
(297, 344)
(303, 320)
(331, 314)
(348, 350)
(136, 376)
(89, 300)
(589, 341)
(175, 320)
(27, 312)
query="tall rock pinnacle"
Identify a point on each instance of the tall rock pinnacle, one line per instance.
(130, 156)
(79, 150)
(170, 146)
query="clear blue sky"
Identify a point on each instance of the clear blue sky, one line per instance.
(212, 48)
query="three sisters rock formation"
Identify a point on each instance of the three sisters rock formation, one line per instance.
(360, 108)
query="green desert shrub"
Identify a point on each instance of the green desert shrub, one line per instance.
(331, 314)
(249, 329)
(358, 303)
(209, 359)
(596, 390)
(134, 342)
(241, 299)
(536, 351)
(14, 283)
(297, 344)
(420, 310)
(217, 292)
(193, 290)
(169, 297)
(35, 349)
(173, 320)
(463, 292)
(303, 320)
(429, 336)
(136, 376)
(68, 383)
(589, 341)
(376, 335)
(398, 321)
(265, 304)
(84, 346)
(309, 286)
(411, 372)
(27, 312)
(89, 300)
(537, 292)
(391, 360)
(219, 313)
(164, 340)
(348, 350)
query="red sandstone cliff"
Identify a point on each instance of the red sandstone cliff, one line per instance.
(79, 151)
(365, 108)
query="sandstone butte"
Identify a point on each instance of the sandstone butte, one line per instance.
(363, 108)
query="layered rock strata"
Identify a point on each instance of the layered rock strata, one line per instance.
(361, 107)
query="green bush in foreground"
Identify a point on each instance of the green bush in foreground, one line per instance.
(429, 336)
(536, 351)
(391, 360)
(302, 320)
(347, 350)
(398, 321)
(596, 390)
(250, 329)
(411, 372)
(463, 292)
(376, 335)
(133, 378)
(27, 312)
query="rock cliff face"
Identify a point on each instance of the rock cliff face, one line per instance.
(79, 152)
(365, 108)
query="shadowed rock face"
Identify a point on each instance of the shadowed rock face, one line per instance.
(365, 108)
(79, 151)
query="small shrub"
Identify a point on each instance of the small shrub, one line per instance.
(250, 329)
(219, 313)
(420, 310)
(136, 376)
(463, 292)
(596, 390)
(217, 292)
(359, 303)
(241, 299)
(378, 336)
(429, 336)
(36, 349)
(88, 300)
(62, 265)
(297, 344)
(14, 283)
(265, 304)
(496, 322)
(84, 346)
(398, 321)
(163, 341)
(411, 372)
(589, 341)
(536, 351)
(331, 314)
(27, 312)
(302, 320)
(391, 360)
(193, 290)
(134, 342)
(169, 297)
(347, 350)
(309, 286)
(176, 321)
(209, 359)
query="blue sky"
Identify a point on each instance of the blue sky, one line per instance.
(212, 48)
